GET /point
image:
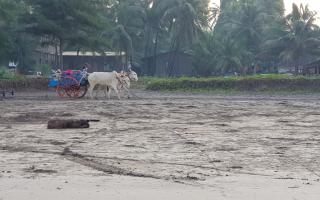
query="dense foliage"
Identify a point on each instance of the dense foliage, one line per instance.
(240, 37)
(253, 35)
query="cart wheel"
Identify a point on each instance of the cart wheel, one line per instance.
(68, 86)
(73, 91)
(61, 92)
(82, 91)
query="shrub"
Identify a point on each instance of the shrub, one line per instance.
(21, 83)
(248, 83)
(5, 73)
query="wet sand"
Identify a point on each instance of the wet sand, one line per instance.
(161, 146)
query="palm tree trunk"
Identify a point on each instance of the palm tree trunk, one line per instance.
(125, 67)
(172, 57)
(56, 56)
(61, 54)
(296, 70)
(175, 55)
(146, 48)
(121, 58)
(155, 50)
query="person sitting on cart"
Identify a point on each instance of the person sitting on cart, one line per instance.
(84, 70)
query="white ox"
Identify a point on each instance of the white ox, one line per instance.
(111, 80)
(123, 84)
(124, 81)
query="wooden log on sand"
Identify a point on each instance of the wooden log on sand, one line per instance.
(68, 123)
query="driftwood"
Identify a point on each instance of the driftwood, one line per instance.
(69, 123)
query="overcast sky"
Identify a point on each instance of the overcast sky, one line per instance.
(313, 4)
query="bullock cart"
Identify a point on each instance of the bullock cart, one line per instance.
(70, 83)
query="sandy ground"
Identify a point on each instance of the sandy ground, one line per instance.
(161, 146)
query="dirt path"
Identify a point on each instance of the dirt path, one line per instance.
(162, 144)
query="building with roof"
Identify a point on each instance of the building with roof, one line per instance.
(94, 61)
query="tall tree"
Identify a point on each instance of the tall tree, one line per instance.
(130, 22)
(241, 24)
(220, 56)
(15, 45)
(159, 25)
(144, 21)
(273, 19)
(9, 14)
(301, 38)
(66, 22)
(187, 19)
(249, 23)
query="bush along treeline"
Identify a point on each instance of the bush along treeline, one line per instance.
(22, 83)
(249, 83)
(244, 36)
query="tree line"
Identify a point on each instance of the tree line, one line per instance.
(234, 37)
(255, 35)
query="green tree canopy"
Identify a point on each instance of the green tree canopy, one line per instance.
(67, 23)
(301, 37)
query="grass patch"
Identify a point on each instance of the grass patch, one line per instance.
(20, 82)
(273, 83)
(143, 82)
(268, 84)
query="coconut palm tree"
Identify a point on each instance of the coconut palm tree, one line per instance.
(155, 25)
(142, 22)
(123, 42)
(186, 22)
(204, 52)
(217, 55)
(243, 21)
(301, 37)
(231, 57)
